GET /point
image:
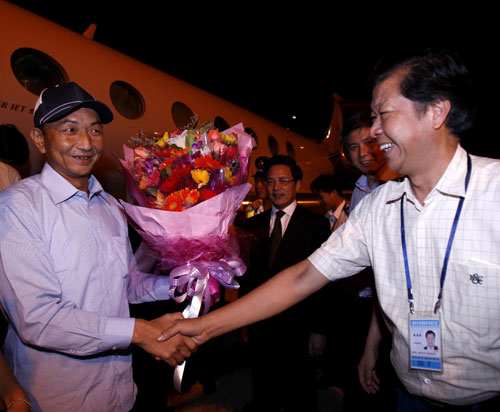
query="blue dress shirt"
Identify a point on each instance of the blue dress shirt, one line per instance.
(67, 275)
(361, 189)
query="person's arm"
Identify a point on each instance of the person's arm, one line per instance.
(31, 294)
(279, 293)
(367, 365)
(11, 392)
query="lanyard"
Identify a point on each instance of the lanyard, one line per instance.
(448, 248)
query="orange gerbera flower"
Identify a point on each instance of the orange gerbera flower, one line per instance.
(173, 202)
(207, 162)
(189, 196)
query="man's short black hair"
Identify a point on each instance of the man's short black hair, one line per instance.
(430, 332)
(286, 161)
(327, 183)
(353, 122)
(431, 77)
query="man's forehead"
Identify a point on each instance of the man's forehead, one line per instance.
(385, 89)
(359, 135)
(279, 169)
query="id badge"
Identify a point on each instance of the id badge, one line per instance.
(425, 342)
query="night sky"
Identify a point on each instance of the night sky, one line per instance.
(288, 62)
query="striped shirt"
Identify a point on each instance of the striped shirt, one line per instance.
(470, 310)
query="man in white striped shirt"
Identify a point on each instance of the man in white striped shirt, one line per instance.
(433, 242)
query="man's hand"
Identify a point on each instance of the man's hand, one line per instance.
(173, 351)
(366, 370)
(187, 327)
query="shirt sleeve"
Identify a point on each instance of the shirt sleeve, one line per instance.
(143, 286)
(345, 253)
(31, 295)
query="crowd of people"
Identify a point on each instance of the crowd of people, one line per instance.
(393, 292)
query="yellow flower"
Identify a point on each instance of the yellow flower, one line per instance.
(228, 176)
(200, 176)
(163, 141)
(228, 138)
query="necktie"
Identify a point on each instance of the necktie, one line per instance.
(331, 217)
(275, 239)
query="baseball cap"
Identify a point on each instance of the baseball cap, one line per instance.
(56, 102)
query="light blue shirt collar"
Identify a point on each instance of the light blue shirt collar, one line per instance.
(60, 190)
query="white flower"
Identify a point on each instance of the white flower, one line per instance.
(179, 140)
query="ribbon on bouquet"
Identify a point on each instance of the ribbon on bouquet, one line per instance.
(198, 280)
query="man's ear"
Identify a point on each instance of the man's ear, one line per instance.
(440, 111)
(39, 139)
(297, 185)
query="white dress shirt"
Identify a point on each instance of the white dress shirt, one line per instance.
(285, 219)
(470, 310)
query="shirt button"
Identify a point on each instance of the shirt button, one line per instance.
(427, 381)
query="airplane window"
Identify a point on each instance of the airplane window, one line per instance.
(36, 70)
(183, 116)
(273, 145)
(220, 124)
(252, 133)
(290, 149)
(127, 100)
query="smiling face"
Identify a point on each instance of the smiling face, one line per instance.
(281, 194)
(364, 152)
(401, 132)
(72, 145)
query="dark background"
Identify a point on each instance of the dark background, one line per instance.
(281, 61)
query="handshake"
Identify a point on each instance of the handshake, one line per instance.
(161, 338)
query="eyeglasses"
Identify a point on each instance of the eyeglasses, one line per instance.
(283, 181)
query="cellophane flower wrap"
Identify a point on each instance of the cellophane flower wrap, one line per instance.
(188, 186)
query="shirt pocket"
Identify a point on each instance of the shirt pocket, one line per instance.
(473, 296)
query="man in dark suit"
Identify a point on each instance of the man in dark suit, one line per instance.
(282, 371)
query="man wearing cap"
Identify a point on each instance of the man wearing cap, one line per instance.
(67, 271)
(262, 203)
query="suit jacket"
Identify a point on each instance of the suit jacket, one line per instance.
(306, 231)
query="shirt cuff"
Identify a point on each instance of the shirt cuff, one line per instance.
(318, 259)
(162, 287)
(119, 332)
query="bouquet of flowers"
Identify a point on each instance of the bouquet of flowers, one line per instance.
(187, 186)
